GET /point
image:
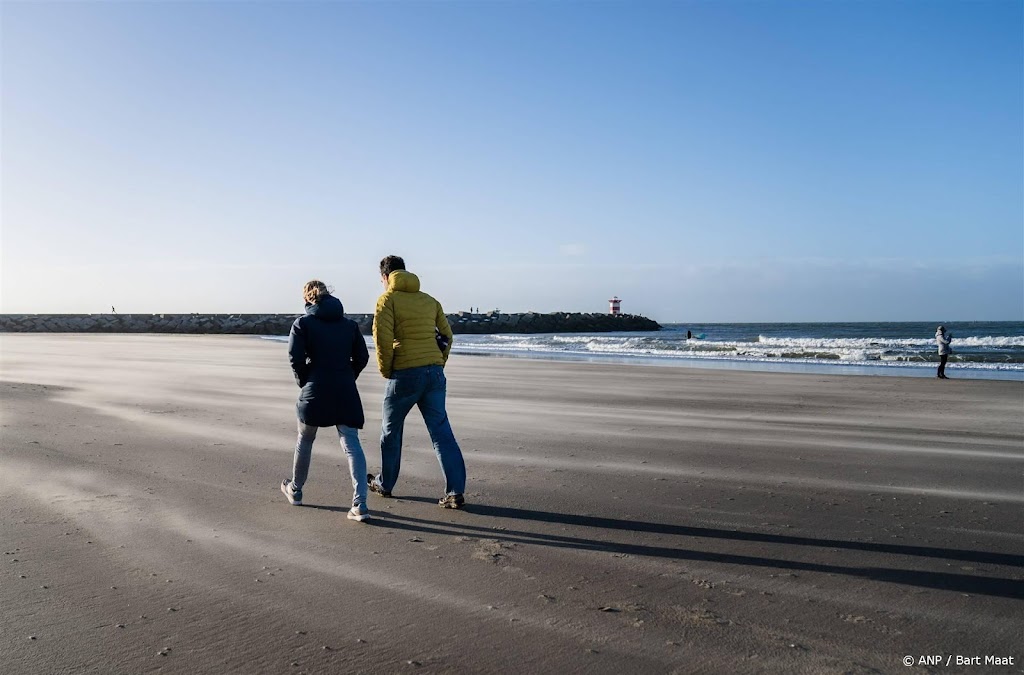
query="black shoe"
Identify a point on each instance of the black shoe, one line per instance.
(375, 486)
(456, 501)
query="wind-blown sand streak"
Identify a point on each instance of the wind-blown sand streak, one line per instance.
(636, 519)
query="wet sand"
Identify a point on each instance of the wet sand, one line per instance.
(619, 519)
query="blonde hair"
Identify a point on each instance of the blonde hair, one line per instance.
(314, 291)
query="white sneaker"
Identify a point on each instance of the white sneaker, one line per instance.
(293, 496)
(359, 513)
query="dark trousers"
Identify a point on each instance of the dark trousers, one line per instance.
(942, 364)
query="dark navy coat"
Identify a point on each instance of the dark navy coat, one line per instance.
(327, 353)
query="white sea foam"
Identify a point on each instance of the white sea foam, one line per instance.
(888, 343)
(822, 351)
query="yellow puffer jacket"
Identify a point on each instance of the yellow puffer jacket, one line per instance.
(403, 326)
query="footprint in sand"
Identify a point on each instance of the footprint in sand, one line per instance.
(700, 616)
(491, 550)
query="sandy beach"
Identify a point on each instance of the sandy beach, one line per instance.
(619, 519)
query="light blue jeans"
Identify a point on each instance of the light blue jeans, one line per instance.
(425, 387)
(353, 450)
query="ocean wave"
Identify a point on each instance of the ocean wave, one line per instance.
(749, 353)
(823, 358)
(998, 342)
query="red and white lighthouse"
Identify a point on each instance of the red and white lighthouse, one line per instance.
(613, 305)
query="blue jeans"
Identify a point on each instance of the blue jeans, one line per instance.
(424, 387)
(353, 450)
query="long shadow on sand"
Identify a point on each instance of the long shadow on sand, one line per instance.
(983, 557)
(961, 583)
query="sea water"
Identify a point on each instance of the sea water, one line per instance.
(981, 349)
(990, 350)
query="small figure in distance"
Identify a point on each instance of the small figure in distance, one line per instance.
(410, 332)
(942, 339)
(327, 353)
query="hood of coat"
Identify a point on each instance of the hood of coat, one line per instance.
(941, 330)
(328, 309)
(402, 280)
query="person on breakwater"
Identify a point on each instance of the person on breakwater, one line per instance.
(942, 339)
(409, 332)
(327, 353)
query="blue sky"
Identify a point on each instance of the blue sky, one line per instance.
(726, 161)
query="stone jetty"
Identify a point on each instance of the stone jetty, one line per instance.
(279, 324)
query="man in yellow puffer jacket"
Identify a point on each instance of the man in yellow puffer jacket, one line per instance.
(406, 326)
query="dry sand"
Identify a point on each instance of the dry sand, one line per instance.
(620, 519)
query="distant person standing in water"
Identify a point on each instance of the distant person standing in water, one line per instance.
(327, 353)
(942, 339)
(413, 341)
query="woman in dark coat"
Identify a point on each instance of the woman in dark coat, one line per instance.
(327, 353)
